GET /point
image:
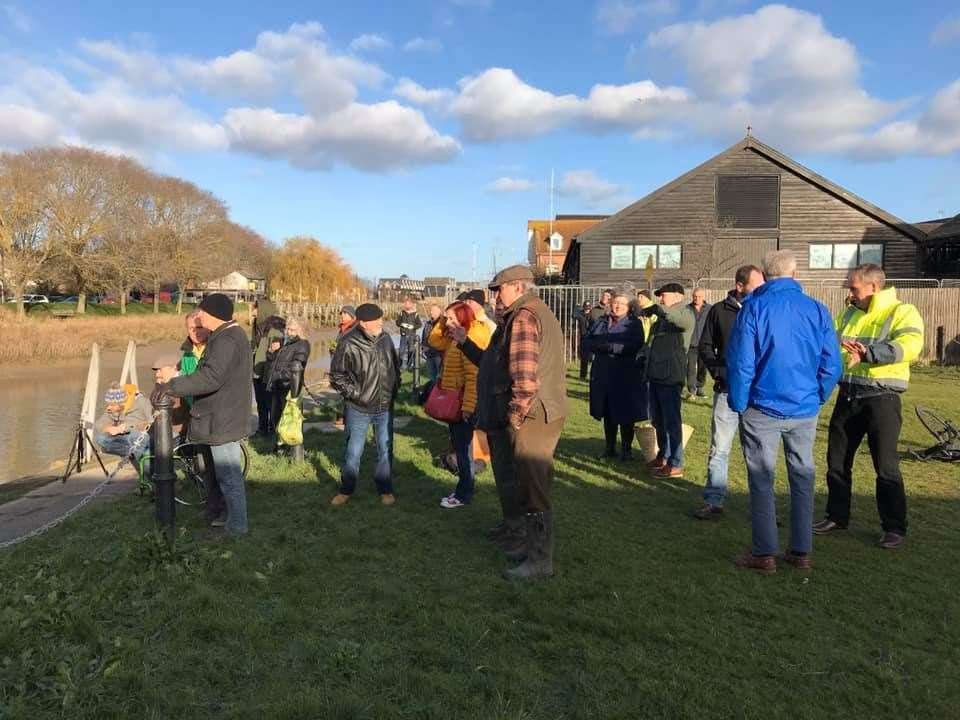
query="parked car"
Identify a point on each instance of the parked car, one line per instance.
(32, 300)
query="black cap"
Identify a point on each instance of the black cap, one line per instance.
(476, 295)
(368, 312)
(670, 287)
(218, 305)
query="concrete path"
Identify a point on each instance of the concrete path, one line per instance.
(49, 502)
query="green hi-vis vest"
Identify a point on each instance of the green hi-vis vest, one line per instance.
(893, 334)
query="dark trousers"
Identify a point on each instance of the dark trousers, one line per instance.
(584, 366)
(408, 346)
(879, 419)
(696, 370)
(610, 427)
(461, 436)
(264, 402)
(215, 505)
(523, 459)
(666, 418)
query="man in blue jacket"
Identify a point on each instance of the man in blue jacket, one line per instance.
(782, 364)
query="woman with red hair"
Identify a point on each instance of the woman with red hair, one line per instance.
(459, 373)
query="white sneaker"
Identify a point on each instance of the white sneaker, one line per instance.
(451, 502)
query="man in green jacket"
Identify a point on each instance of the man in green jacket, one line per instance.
(666, 373)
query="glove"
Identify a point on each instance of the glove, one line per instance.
(160, 391)
(602, 347)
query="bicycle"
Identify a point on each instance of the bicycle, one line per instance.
(188, 466)
(944, 432)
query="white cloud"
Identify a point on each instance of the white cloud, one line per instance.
(618, 17)
(510, 185)
(136, 101)
(23, 127)
(382, 136)
(419, 44)
(586, 186)
(369, 43)
(946, 32)
(415, 93)
(498, 105)
(20, 21)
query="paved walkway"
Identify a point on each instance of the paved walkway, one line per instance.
(48, 502)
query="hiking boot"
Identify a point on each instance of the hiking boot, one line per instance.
(657, 464)
(513, 536)
(827, 526)
(539, 560)
(763, 564)
(708, 512)
(340, 499)
(892, 540)
(388, 499)
(668, 471)
(800, 562)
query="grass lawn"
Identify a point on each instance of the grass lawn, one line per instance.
(372, 612)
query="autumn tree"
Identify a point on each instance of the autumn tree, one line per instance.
(303, 268)
(25, 245)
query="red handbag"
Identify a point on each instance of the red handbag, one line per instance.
(443, 404)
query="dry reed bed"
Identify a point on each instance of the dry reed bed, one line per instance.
(53, 339)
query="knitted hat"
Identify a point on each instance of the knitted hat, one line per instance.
(218, 305)
(115, 395)
(368, 312)
(349, 310)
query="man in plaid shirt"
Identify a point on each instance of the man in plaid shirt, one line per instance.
(522, 404)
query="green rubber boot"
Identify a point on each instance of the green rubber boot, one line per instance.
(539, 560)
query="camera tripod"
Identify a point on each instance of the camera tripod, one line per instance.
(78, 453)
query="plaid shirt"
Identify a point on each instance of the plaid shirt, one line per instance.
(523, 361)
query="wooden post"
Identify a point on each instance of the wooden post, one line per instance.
(129, 372)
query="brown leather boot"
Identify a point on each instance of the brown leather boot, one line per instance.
(539, 562)
(763, 564)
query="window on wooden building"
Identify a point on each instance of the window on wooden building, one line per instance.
(842, 256)
(748, 201)
(630, 257)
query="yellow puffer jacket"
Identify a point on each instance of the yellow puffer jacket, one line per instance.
(893, 334)
(458, 372)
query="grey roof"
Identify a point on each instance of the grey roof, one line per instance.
(949, 229)
(752, 143)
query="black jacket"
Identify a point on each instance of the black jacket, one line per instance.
(716, 336)
(428, 326)
(617, 389)
(366, 370)
(220, 388)
(286, 371)
(408, 322)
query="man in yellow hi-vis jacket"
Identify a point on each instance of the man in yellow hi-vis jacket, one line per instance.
(879, 336)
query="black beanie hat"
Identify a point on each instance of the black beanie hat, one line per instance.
(476, 295)
(218, 305)
(368, 312)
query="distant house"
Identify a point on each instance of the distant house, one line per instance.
(438, 287)
(548, 242)
(941, 249)
(732, 210)
(393, 289)
(235, 284)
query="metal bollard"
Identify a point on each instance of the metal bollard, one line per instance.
(941, 345)
(296, 453)
(162, 470)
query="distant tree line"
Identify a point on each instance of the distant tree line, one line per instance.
(93, 222)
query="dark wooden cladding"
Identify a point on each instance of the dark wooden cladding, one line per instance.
(748, 201)
(684, 212)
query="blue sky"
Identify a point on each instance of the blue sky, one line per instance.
(405, 133)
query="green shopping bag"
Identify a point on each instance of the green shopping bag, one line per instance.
(290, 426)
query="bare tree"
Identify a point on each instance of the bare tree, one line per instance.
(714, 256)
(25, 245)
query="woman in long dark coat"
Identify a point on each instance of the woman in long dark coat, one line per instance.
(618, 395)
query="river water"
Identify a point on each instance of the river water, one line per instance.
(40, 404)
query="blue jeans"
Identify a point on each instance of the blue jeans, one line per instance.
(122, 444)
(406, 351)
(433, 366)
(760, 436)
(228, 469)
(665, 417)
(355, 424)
(461, 435)
(723, 428)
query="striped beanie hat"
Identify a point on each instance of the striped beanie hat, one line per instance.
(115, 395)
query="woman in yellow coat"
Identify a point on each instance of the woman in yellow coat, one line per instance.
(459, 373)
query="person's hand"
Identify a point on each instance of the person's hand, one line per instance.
(458, 334)
(159, 393)
(856, 352)
(119, 429)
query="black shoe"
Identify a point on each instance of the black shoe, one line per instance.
(892, 540)
(608, 453)
(827, 526)
(708, 512)
(626, 455)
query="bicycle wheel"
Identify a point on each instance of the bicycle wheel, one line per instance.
(935, 425)
(246, 458)
(188, 466)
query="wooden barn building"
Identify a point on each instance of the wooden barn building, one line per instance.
(732, 210)
(941, 251)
